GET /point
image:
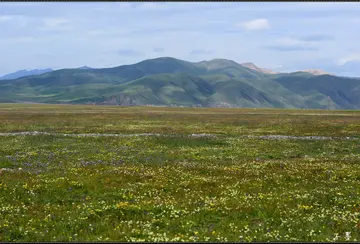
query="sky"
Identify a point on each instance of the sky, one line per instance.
(283, 36)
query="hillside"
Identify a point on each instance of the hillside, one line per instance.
(172, 82)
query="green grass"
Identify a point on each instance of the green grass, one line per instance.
(115, 119)
(178, 188)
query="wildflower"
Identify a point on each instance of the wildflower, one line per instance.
(305, 207)
(122, 204)
(347, 235)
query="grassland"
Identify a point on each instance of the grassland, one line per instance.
(179, 188)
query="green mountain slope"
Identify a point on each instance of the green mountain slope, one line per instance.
(172, 82)
(341, 92)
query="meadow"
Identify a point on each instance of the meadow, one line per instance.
(173, 186)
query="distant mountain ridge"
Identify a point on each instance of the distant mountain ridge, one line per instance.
(168, 81)
(254, 67)
(24, 72)
(85, 67)
(316, 72)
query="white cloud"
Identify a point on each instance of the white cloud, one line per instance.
(135, 7)
(350, 58)
(58, 24)
(4, 18)
(294, 43)
(256, 24)
(276, 66)
(14, 20)
(55, 22)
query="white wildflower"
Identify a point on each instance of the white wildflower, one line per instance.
(347, 235)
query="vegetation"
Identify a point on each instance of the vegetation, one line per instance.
(178, 188)
(172, 82)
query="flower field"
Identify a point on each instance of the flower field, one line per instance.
(176, 187)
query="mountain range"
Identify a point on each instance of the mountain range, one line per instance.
(172, 82)
(23, 73)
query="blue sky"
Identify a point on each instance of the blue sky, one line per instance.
(280, 36)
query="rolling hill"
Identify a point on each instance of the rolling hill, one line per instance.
(171, 82)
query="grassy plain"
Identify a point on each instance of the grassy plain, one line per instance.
(179, 188)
